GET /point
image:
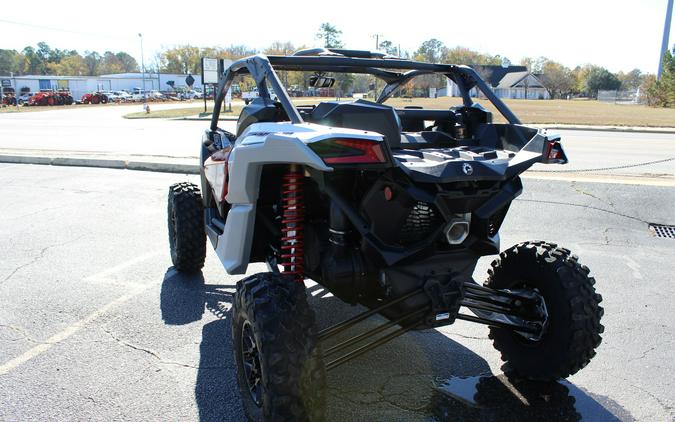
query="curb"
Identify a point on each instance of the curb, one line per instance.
(667, 131)
(102, 163)
(178, 168)
(207, 119)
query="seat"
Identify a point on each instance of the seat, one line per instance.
(258, 111)
(363, 115)
(411, 124)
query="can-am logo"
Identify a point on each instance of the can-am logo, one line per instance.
(467, 169)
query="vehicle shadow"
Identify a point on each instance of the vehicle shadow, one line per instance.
(184, 299)
(419, 376)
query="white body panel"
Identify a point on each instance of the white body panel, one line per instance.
(261, 144)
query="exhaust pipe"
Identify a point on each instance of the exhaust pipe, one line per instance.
(457, 229)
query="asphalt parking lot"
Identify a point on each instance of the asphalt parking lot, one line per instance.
(95, 324)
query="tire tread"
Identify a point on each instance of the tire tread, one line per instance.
(294, 377)
(189, 251)
(580, 297)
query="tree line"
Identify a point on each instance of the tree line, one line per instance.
(560, 81)
(44, 60)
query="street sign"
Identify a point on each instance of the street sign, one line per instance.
(189, 81)
(6, 83)
(209, 71)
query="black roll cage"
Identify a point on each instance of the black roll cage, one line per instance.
(394, 72)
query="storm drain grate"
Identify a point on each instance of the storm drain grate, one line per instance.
(661, 230)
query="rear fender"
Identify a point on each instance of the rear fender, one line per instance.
(245, 165)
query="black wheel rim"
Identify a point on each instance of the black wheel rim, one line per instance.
(250, 357)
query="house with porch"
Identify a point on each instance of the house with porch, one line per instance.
(507, 82)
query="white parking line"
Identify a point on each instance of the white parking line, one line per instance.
(78, 325)
(117, 268)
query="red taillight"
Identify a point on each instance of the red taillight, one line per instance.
(349, 151)
(553, 153)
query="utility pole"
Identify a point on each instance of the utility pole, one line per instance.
(16, 88)
(145, 94)
(377, 47)
(377, 40)
(666, 33)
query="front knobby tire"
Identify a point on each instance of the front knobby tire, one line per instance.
(280, 371)
(187, 237)
(574, 311)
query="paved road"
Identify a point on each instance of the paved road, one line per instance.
(102, 130)
(95, 324)
(595, 149)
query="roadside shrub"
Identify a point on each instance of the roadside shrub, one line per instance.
(660, 93)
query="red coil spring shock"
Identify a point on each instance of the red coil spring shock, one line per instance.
(293, 217)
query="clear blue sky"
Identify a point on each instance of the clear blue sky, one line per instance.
(617, 34)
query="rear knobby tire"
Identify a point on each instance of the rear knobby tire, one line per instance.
(273, 310)
(187, 237)
(574, 311)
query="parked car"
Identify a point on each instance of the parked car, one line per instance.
(156, 95)
(23, 98)
(191, 95)
(123, 95)
(112, 97)
(253, 94)
(148, 95)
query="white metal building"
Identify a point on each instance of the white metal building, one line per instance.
(153, 81)
(80, 85)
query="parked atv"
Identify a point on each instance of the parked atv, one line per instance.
(50, 98)
(388, 208)
(9, 100)
(63, 97)
(94, 98)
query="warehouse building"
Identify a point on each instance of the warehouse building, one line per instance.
(153, 81)
(80, 85)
